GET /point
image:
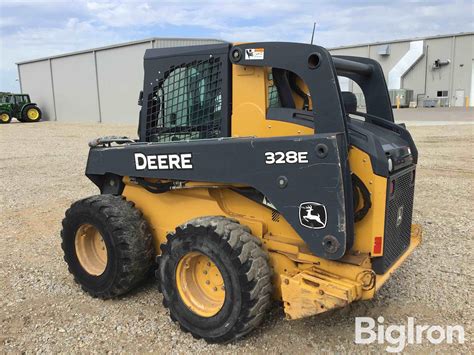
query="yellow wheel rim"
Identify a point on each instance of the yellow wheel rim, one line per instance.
(91, 250)
(32, 114)
(4, 117)
(200, 284)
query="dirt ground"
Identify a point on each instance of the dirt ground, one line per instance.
(43, 310)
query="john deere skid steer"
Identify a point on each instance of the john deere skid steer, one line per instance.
(254, 178)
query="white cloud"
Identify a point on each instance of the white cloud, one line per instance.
(25, 44)
(43, 28)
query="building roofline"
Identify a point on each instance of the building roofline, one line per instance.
(119, 45)
(459, 34)
(152, 39)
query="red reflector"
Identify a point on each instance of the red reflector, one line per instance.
(392, 187)
(377, 245)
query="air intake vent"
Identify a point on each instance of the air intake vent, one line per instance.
(275, 216)
(383, 49)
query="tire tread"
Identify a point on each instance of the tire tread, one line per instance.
(136, 249)
(250, 260)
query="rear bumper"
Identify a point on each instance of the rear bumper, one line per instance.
(316, 290)
(415, 240)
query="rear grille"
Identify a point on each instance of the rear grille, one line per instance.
(398, 218)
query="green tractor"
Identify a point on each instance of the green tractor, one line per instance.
(18, 106)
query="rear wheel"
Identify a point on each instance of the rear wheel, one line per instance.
(107, 245)
(215, 279)
(5, 117)
(31, 114)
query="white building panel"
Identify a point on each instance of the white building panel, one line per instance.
(75, 88)
(36, 81)
(120, 78)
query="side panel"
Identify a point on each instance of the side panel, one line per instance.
(373, 224)
(166, 211)
(315, 67)
(249, 107)
(75, 88)
(120, 79)
(36, 81)
(287, 251)
(463, 68)
(309, 193)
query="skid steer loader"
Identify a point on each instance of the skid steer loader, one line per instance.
(254, 178)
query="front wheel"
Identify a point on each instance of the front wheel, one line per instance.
(107, 245)
(215, 279)
(5, 118)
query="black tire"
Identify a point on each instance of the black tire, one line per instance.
(4, 120)
(127, 239)
(245, 270)
(25, 117)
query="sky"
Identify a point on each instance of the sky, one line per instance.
(33, 29)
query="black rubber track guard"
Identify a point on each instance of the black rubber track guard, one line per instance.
(126, 235)
(244, 268)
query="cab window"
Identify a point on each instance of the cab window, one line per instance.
(287, 90)
(188, 103)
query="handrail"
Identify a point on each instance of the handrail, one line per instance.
(353, 67)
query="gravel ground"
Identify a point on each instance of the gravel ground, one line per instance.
(42, 310)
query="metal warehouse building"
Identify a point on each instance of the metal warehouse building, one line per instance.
(96, 85)
(102, 84)
(429, 71)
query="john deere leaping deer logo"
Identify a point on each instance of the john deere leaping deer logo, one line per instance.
(313, 215)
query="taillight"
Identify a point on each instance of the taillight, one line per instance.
(377, 245)
(392, 188)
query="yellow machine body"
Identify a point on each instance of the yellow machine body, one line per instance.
(305, 283)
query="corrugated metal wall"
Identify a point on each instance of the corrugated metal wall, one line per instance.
(120, 78)
(35, 78)
(425, 81)
(75, 88)
(102, 85)
(98, 85)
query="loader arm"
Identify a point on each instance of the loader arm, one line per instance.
(315, 175)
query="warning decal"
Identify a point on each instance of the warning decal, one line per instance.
(254, 53)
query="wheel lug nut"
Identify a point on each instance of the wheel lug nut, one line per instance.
(205, 272)
(223, 288)
(215, 288)
(207, 282)
(208, 264)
